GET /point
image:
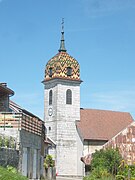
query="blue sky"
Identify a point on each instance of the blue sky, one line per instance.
(100, 34)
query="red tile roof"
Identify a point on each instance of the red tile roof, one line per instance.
(102, 124)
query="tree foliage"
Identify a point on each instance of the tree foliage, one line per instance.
(126, 171)
(108, 159)
(7, 142)
(107, 164)
(48, 162)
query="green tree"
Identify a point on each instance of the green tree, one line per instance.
(108, 159)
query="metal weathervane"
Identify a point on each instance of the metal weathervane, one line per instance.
(62, 24)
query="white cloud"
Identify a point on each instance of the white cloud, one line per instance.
(121, 100)
(116, 96)
(94, 8)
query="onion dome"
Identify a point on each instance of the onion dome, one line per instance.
(62, 65)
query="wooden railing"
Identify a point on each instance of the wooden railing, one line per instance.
(21, 121)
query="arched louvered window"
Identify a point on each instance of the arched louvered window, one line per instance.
(68, 96)
(50, 72)
(50, 97)
(69, 71)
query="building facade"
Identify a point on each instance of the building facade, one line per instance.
(22, 136)
(62, 109)
(76, 132)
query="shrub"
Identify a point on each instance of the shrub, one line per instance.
(48, 162)
(104, 164)
(98, 173)
(108, 159)
(120, 177)
(11, 169)
(7, 142)
(126, 171)
(9, 175)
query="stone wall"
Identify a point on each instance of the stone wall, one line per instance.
(61, 126)
(80, 164)
(125, 141)
(29, 139)
(9, 157)
(9, 151)
(4, 103)
(27, 153)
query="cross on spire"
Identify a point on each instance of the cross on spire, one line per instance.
(62, 44)
(62, 24)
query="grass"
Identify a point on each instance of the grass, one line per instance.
(8, 175)
(102, 178)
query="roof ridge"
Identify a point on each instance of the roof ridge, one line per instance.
(104, 110)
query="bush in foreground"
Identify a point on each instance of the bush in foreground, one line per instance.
(99, 173)
(125, 171)
(104, 164)
(10, 174)
(108, 159)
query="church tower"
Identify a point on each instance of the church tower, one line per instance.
(62, 110)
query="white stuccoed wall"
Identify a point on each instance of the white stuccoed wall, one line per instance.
(80, 164)
(91, 146)
(63, 127)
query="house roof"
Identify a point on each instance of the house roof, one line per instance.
(5, 90)
(102, 124)
(16, 108)
(50, 141)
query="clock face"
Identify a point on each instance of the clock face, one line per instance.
(50, 111)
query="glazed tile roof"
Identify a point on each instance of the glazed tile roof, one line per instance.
(102, 124)
(62, 65)
(59, 64)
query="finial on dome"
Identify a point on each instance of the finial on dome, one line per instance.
(62, 44)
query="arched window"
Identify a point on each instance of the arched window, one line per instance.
(68, 96)
(50, 72)
(50, 97)
(69, 71)
(49, 128)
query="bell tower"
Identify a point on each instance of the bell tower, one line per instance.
(62, 110)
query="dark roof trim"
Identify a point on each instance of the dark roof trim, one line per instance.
(5, 90)
(96, 139)
(12, 104)
(62, 78)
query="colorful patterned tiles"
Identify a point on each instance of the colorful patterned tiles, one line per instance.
(57, 67)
